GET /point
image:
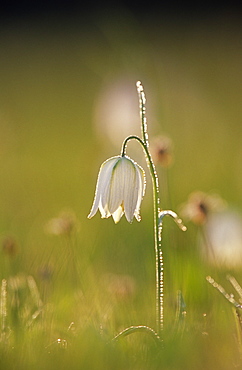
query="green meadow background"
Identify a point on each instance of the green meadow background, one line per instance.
(67, 98)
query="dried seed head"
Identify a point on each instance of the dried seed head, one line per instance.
(199, 206)
(9, 246)
(162, 151)
(63, 224)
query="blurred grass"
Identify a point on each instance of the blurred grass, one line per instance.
(51, 76)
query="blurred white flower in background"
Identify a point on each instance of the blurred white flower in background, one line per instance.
(220, 229)
(223, 234)
(120, 189)
(116, 113)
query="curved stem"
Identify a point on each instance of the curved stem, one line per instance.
(156, 201)
(157, 228)
(158, 214)
(131, 137)
(135, 329)
(172, 214)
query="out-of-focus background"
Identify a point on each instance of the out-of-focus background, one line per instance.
(68, 99)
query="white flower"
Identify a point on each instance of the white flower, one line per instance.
(223, 233)
(120, 189)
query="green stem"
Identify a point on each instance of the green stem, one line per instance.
(158, 220)
(156, 202)
(131, 137)
(135, 329)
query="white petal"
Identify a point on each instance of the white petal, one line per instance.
(106, 188)
(141, 190)
(118, 214)
(104, 211)
(120, 189)
(116, 187)
(130, 193)
(102, 188)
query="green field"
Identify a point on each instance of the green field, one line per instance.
(67, 100)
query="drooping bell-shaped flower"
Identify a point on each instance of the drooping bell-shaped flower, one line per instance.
(120, 189)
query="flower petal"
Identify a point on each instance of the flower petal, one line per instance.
(130, 193)
(141, 186)
(102, 188)
(120, 189)
(116, 187)
(118, 214)
(106, 188)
